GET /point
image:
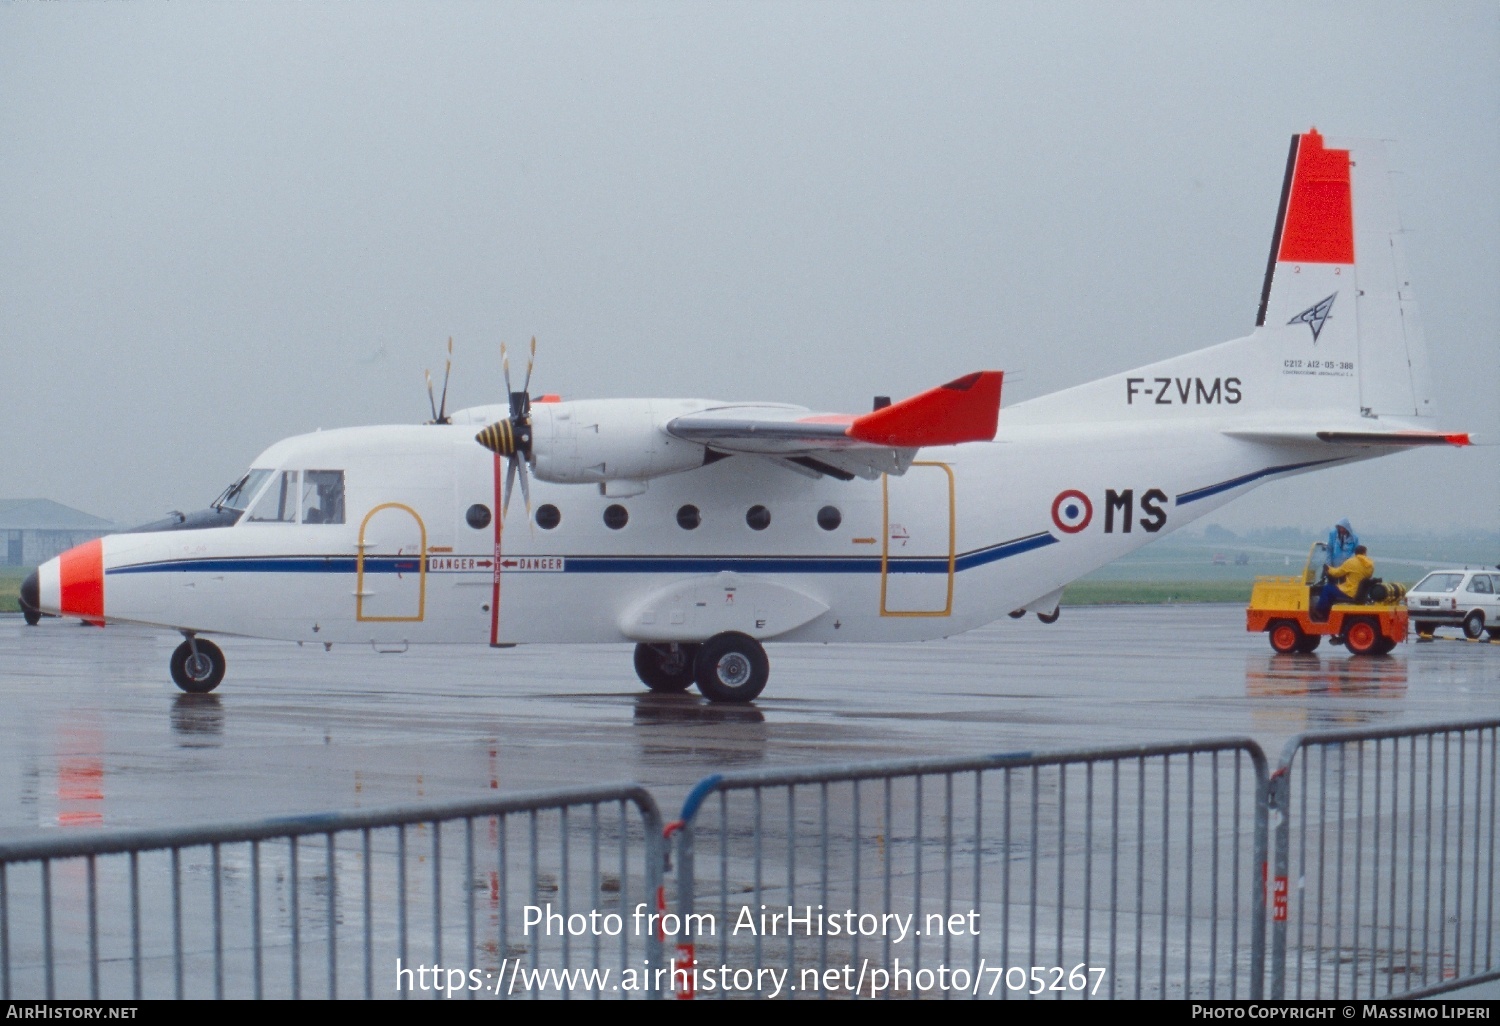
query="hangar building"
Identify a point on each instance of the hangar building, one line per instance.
(32, 531)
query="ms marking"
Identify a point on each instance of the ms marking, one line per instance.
(1072, 511)
(1183, 391)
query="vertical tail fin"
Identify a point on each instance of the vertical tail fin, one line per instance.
(1337, 338)
(1336, 300)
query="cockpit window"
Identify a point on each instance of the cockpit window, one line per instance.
(238, 495)
(322, 496)
(300, 496)
(278, 503)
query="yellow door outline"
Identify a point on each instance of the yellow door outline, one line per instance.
(885, 543)
(359, 570)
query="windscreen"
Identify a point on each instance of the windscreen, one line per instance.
(238, 495)
(1440, 582)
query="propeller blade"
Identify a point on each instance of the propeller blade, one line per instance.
(510, 480)
(526, 387)
(505, 366)
(442, 415)
(525, 486)
(430, 402)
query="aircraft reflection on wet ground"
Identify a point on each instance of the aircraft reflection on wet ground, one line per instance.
(94, 735)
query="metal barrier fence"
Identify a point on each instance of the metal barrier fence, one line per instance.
(1120, 872)
(326, 905)
(1137, 871)
(1384, 866)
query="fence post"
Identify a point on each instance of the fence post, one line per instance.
(1278, 799)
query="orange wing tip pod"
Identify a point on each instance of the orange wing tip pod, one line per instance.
(963, 410)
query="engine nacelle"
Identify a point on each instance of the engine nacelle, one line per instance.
(593, 441)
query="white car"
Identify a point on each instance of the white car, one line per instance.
(1465, 598)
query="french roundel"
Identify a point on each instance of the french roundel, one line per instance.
(1072, 511)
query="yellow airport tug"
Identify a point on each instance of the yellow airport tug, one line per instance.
(1372, 623)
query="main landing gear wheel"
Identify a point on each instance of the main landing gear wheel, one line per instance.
(731, 667)
(1362, 637)
(1050, 617)
(665, 668)
(1287, 637)
(197, 672)
(1474, 625)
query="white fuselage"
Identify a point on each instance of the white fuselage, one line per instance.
(965, 536)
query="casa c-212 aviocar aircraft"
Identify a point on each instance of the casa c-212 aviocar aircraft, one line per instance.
(701, 529)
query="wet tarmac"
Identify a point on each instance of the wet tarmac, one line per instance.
(94, 733)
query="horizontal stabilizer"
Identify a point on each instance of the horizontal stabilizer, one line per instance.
(1400, 439)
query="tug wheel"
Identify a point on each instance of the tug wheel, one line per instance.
(1286, 636)
(1362, 636)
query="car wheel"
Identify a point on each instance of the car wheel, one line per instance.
(1474, 625)
(731, 667)
(1426, 627)
(1385, 646)
(1309, 643)
(664, 668)
(198, 672)
(1361, 636)
(1286, 636)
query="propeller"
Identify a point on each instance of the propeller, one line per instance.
(440, 410)
(511, 437)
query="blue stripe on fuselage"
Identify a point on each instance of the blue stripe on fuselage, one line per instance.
(615, 564)
(1235, 482)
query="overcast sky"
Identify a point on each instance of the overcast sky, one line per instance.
(222, 224)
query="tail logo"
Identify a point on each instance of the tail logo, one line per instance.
(1315, 316)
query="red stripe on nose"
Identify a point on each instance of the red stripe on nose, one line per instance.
(81, 575)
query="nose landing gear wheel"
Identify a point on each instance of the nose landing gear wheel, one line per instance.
(198, 672)
(731, 667)
(665, 668)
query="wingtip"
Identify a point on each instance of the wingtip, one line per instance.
(937, 416)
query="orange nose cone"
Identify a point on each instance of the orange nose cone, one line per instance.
(81, 580)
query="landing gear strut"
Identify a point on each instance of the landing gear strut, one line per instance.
(197, 666)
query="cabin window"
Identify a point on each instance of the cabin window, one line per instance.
(322, 496)
(548, 516)
(616, 517)
(758, 517)
(829, 518)
(478, 516)
(688, 518)
(278, 503)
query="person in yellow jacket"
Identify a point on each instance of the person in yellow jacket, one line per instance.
(1343, 582)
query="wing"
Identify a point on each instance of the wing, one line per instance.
(846, 446)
